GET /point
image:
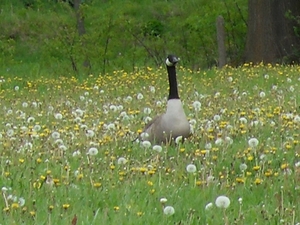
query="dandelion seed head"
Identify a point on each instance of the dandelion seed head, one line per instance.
(178, 139)
(222, 202)
(169, 210)
(197, 105)
(140, 96)
(146, 144)
(191, 168)
(163, 200)
(122, 161)
(253, 142)
(92, 151)
(208, 206)
(262, 94)
(243, 167)
(58, 116)
(157, 148)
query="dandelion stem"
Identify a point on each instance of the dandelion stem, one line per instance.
(5, 200)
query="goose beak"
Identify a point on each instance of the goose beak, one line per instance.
(175, 59)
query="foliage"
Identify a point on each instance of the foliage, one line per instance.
(120, 35)
(67, 152)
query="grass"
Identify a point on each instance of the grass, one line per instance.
(49, 125)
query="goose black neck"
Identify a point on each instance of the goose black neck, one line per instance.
(173, 91)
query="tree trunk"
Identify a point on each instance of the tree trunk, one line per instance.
(221, 42)
(81, 29)
(271, 37)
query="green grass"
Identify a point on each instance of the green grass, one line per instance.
(57, 185)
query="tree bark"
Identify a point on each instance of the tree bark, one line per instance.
(271, 37)
(221, 41)
(81, 29)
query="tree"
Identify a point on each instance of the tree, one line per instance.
(272, 35)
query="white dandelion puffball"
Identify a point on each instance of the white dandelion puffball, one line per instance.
(144, 135)
(243, 167)
(262, 94)
(147, 110)
(178, 139)
(37, 127)
(93, 151)
(163, 200)
(146, 144)
(222, 202)
(157, 148)
(152, 89)
(209, 206)
(253, 142)
(55, 135)
(169, 210)
(17, 88)
(21, 201)
(122, 161)
(58, 116)
(30, 119)
(217, 117)
(197, 105)
(111, 126)
(140, 96)
(191, 168)
(76, 153)
(158, 103)
(25, 104)
(90, 133)
(113, 108)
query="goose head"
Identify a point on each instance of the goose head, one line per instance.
(171, 60)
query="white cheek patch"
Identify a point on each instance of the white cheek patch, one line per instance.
(168, 62)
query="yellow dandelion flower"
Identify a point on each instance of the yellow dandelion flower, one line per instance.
(79, 176)
(143, 169)
(97, 184)
(152, 191)
(56, 181)
(288, 146)
(150, 183)
(248, 173)
(38, 160)
(21, 160)
(284, 166)
(250, 158)
(7, 173)
(48, 172)
(268, 173)
(122, 173)
(6, 209)
(116, 208)
(112, 167)
(151, 172)
(51, 207)
(199, 182)
(257, 181)
(15, 205)
(240, 180)
(182, 149)
(256, 168)
(37, 185)
(66, 206)
(32, 213)
(139, 213)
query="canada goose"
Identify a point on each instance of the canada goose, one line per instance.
(173, 123)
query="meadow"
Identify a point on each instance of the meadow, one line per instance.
(68, 155)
